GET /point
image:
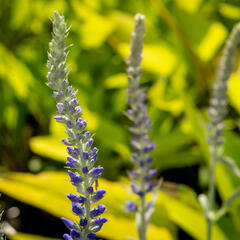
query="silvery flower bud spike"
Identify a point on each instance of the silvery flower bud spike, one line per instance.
(142, 174)
(217, 112)
(82, 154)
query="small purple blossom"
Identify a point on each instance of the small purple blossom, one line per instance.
(83, 222)
(90, 189)
(75, 198)
(96, 171)
(67, 237)
(92, 236)
(78, 109)
(74, 234)
(85, 155)
(99, 194)
(68, 223)
(87, 135)
(97, 210)
(85, 170)
(74, 177)
(78, 209)
(69, 124)
(131, 206)
(59, 119)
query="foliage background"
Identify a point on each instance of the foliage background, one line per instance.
(183, 44)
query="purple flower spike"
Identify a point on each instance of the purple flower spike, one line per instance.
(140, 127)
(82, 156)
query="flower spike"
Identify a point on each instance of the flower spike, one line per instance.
(79, 142)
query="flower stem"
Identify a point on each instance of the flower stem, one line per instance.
(211, 191)
(142, 232)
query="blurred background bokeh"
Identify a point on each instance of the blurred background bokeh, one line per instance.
(183, 44)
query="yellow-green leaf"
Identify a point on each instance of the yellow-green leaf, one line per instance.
(233, 91)
(15, 72)
(212, 41)
(189, 6)
(189, 219)
(49, 146)
(116, 81)
(95, 28)
(229, 11)
(158, 58)
(48, 191)
(157, 97)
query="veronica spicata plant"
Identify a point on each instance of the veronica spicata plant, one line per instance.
(82, 154)
(137, 113)
(217, 112)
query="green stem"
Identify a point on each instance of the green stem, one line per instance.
(209, 229)
(211, 190)
(142, 235)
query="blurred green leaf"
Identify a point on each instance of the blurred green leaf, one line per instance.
(116, 81)
(157, 96)
(16, 73)
(233, 91)
(214, 38)
(48, 191)
(229, 11)
(95, 28)
(48, 146)
(158, 58)
(189, 219)
(189, 6)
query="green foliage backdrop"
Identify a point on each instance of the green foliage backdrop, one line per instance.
(183, 43)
